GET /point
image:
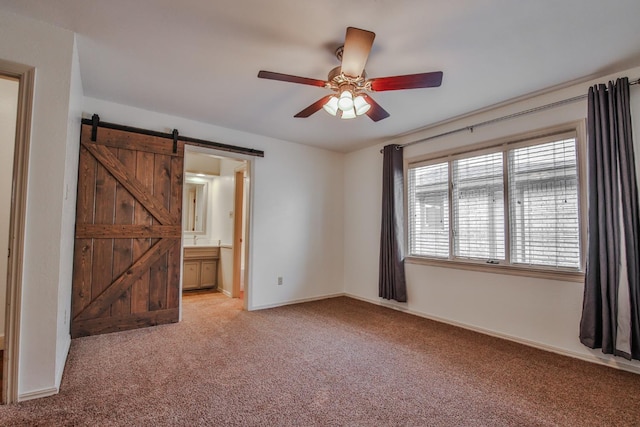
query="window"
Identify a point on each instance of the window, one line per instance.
(544, 205)
(429, 229)
(516, 205)
(478, 207)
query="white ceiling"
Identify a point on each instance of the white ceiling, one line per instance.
(199, 58)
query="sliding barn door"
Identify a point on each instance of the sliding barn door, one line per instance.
(126, 271)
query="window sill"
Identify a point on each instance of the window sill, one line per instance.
(512, 270)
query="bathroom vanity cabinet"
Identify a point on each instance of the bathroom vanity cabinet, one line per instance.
(200, 269)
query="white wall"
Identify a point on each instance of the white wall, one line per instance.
(42, 342)
(8, 112)
(222, 209)
(540, 312)
(297, 207)
(67, 240)
(226, 200)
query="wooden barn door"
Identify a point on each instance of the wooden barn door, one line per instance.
(126, 271)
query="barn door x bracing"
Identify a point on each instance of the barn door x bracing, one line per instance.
(128, 230)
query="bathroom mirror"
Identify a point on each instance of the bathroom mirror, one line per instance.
(194, 206)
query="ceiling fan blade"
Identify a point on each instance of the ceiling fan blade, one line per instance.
(376, 112)
(292, 79)
(357, 45)
(316, 106)
(410, 81)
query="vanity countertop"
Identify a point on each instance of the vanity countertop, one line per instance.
(201, 252)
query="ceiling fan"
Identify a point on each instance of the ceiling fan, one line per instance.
(350, 84)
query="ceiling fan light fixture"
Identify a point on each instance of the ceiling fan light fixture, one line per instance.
(345, 102)
(361, 105)
(348, 114)
(331, 106)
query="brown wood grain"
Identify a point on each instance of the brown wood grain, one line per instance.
(102, 302)
(173, 256)
(140, 289)
(120, 139)
(103, 249)
(88, 327)
(159, 270)
(82, 277)
(128, 234)
(133, 231)
(154, 205)
(122, 247)
(86, 187)
(83, 249)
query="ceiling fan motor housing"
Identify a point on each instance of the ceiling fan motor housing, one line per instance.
(340, 82)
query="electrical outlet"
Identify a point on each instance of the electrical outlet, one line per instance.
(279, 280)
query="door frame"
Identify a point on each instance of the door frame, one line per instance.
(26, 83)
(248, 291)
(238, 235)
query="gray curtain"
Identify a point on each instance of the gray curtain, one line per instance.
(392, 284)
(610, 315)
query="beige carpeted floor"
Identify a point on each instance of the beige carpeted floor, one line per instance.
(337, 362)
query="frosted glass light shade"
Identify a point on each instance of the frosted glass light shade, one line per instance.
(361, 105)
(346, 101)
(331, 106)
(348, 114)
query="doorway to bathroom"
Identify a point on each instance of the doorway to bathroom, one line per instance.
(216, 217)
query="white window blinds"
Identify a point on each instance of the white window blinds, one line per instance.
(478, 207)
(543, 188)
(458, 208)
(429, 210)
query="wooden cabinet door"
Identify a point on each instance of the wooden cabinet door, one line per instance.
(126, 271)
(209, 273)
(191, 275)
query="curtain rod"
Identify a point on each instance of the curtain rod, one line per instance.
(507, 117)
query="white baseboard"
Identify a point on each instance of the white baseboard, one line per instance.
(297, 301)
(613, 363)
(45, 392)
(225, 292)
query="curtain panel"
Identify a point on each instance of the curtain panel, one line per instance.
(610, 314)
(392, 284)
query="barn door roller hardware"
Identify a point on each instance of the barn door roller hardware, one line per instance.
(174, 136)
(175, 141)
(95, 120)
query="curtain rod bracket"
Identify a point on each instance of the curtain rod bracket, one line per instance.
(95, 120)
(175, 141)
